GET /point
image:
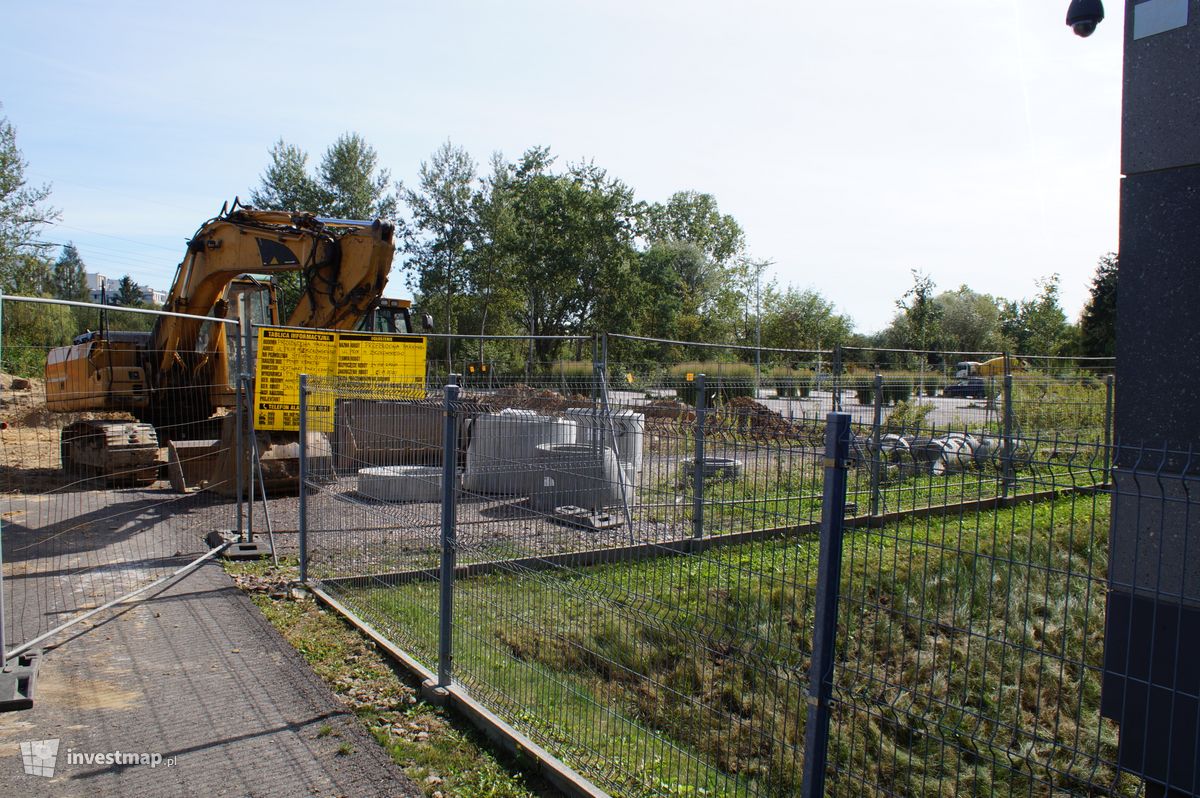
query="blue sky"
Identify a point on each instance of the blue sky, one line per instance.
(977, 141)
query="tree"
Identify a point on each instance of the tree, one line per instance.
(441, 234)
(347, 185)
(29, 274)
(23, 212)
(797, 319)
(286, 184)
(968, 321)
(694, 218)
(917, 324)
(669, 275)
(1037, 326)
(565, 242)
(350, 185)
(29, 330)
(1098, 322)
(129, 293)
(68, 279)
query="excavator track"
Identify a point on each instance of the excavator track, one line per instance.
(119, 452)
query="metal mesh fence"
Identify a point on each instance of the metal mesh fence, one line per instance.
(629, 578)
(106, 484)
(577, 518)
(628, 560)
(970, 643)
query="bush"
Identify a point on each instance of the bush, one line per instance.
(641, 377)
(30, 331)
(724, 381)
(907, 417)
(789, 382)
(893, 390)
(1059, 406)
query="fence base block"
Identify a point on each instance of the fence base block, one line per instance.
(586, 519)
(247, 550)
(17, 681)
(433, 694)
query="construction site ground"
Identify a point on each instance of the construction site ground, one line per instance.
(195, 674)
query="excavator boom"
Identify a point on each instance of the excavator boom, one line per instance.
(345, 265)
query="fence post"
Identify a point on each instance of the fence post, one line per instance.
(303, 478)
(876, 455)
(239, 419)
(837, 378)
(245, 450)
(1006, 450)
(698, 462)
(604, 359)
(1108, 422)
(3, 616)
(829, 570)
(449, 535)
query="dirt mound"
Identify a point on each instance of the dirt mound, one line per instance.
(753, 418)
(23, 401)
(671, 409)
(11, 382)
(525, 397)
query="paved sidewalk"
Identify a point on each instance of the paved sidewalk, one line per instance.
(196, 674)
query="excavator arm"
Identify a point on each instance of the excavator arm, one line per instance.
(344, 263)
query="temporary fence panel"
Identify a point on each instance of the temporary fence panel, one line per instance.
(967, 391)
(593, 607)
(106, 482)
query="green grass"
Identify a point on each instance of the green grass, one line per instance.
(440, 754)
(785, 489)
(1044, 407)
(968, 653)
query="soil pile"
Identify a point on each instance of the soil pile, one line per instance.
(524, 397)
(749, 417)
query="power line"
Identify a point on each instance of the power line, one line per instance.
(109, 252)
(144, 270)
(115, 238)
(120, 259)
(108, 191)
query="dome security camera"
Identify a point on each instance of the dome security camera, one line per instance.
(1084, 15)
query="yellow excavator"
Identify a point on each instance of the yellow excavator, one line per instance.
(178, 380)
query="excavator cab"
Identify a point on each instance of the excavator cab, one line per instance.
(263, 309)
(391, 316)
(262, 306)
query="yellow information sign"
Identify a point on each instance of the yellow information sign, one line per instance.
(285, 354)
